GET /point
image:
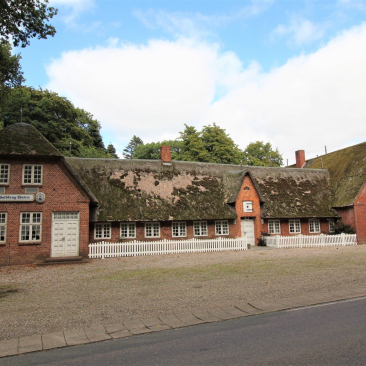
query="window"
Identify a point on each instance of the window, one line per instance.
(179, 229)
(221, 227)
(274, 227)
(30, 226)
(314, 226)
(294, 226)
(66, 216)
(102, 231)
(247, 206)
(200, 228)
(32, 174)
(4, 173)
(128, 230)
(331, 226)
(3, 219)
(152, 230)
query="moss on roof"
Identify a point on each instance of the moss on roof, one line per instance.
(138, 190)
(286, 193)
(24, 139)
(347, 170)
(143, 190)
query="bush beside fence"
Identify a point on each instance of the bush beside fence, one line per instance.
(303, 241)
(125, 249)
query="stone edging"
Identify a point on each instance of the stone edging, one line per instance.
(164, 322)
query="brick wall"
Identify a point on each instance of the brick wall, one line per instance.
(360, 215)
(248, 192)
(165, 231)
(63, 194)
(304, 223)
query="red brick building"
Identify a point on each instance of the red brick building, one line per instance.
(44, 208)
(347, 171)
(51, 206)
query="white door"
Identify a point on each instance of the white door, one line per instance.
(247, 230)
(65, 234)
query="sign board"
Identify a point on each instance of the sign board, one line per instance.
(16, 197)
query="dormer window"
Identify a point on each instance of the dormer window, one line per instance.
(32, 174)
(4, 173)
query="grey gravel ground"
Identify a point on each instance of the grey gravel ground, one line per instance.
(65, 297)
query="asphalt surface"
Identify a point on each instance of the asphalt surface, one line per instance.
(327, 334)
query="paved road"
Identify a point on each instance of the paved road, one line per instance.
(330, 334)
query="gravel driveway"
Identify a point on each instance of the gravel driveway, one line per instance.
(35, 300)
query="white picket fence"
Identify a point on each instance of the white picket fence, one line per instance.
(304, 241)
(125, 249)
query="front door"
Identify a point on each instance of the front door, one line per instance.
(247, 230)
(65, 234)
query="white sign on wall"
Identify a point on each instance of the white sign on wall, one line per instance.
(16, 197)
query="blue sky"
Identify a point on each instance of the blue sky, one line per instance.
(288, 72)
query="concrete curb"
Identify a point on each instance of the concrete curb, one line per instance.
(133, 327)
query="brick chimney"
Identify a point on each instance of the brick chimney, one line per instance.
(300, 158)
(165, 154)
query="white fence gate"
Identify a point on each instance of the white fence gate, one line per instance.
(303, 241)
(108, 250)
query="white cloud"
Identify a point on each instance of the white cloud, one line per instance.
(71, 9)
(196, 24)
(300, 31)
(151, 91)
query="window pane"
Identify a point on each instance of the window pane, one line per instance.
(27, 173)
(25, 218)
(36, 232)
(37, 174)
(4, 173)
(24, 232)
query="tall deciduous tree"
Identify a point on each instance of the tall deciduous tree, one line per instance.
(21, 20)
(55, 117)
(260, 154)
(129, 151)
(220, 146)
(193, 148)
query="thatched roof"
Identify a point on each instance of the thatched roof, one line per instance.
(24, 139)
(347, 170)
(143, 190)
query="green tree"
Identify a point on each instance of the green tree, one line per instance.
(220, 146)
(193, 148)
(10, 72)
(21, 20)
(111, 150)
(148, 151)
(260, 154)
(152, 150)
(129, 151)
(55, 117)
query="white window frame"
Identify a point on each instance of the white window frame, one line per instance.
(179, 229)
(314, 226)
(152, 229)
(32, 180)
(3, 225)
(4, 174)
(294, 226)
(331, 227)
(221, 227)
(274, 226)
(127, 230)
(200, 228)
(247, 206)
(30, 227)
(102, 230)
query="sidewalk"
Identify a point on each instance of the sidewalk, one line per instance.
(129, 328)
